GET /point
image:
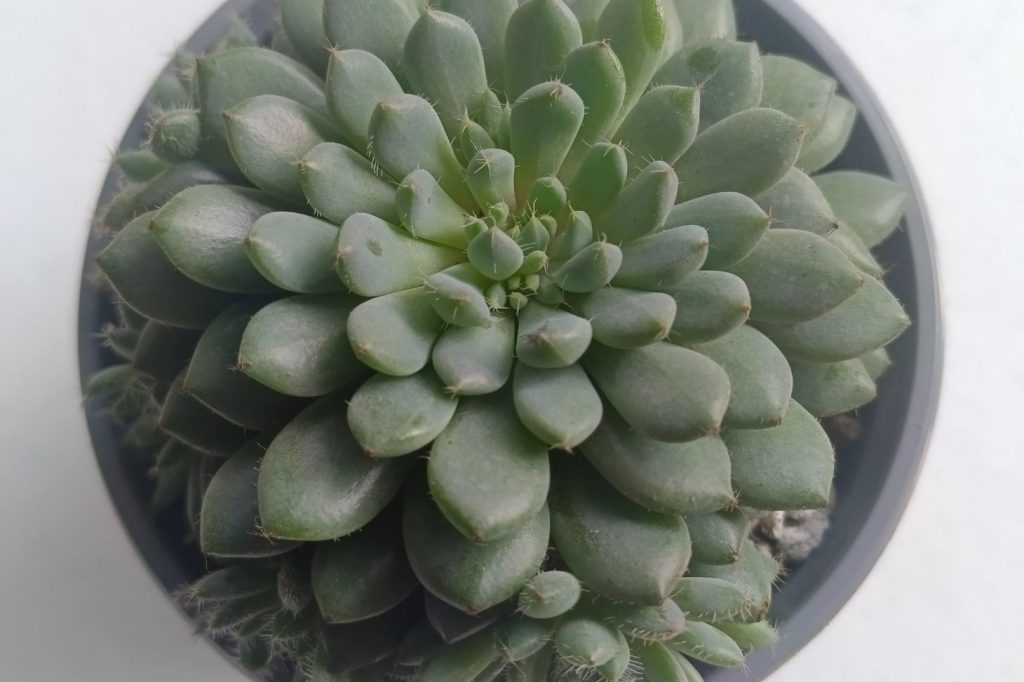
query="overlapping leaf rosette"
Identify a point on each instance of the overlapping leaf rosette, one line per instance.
(472, 342)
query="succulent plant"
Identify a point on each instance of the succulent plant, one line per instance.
(473, 336)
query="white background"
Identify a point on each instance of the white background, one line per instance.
(944, 603)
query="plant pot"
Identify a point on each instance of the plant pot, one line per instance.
(875, 473)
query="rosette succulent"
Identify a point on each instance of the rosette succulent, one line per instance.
(472, 336)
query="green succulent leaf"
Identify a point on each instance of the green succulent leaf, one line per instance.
(519, 637)
(797, 89)
(592, 268)
(357, 81)
(363, 575)
(487, 473)
(394, 334)
(303, 23)
(657, 623)
(352, 650)
(637, 31)
(475, 360)
(832, 388)
(643, 205)
(191, 422)
(663, 260)
(712, 600)
(870, 319)
(750, 635)
(876, 362)
(541, 34)
(595, 73)
(613, 546)
(661, 664)
(869, 204)
(214, 376)
(795, 202)
(453, 624)
(377, 26)
(727, 72)
(830, 140)
(141, 165)
(463, 661)
(583, 641)
(163, 352)
(472, 577)
(317, 483)
(705, 19)
(141, 273)
(322, 363)
(559, 406)
(762, 383)
(203, 230)
(394, 416)
(229, 526)
(854, 248)
(734, 222)
(667, 392)
(601, 176)
(717, 536)
(625, 318)
(709, 644)
(457, 296)
(489, 19)
(661, 127)
(490, 176)
(226, 79)
(747, 152)
(549, 595)
(376, 258)
(176, 135)
(545, 121)
(137, 199)
(671, 478)
(339, 182)
(428, 213)
(495, 254)
(549, 338)
(786, 467)
(294, 252)
(267, 135)
(752, 572)
(406, 134)
(794, 275)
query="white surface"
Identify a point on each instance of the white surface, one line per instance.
(943, 604)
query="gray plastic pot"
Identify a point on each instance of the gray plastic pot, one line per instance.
(875, 475)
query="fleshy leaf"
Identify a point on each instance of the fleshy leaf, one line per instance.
(708, 644)
(728, 73)
(762, 383)
(475, 360)
(230, 524)
(469, 659)
(470, 576)
(362, 575)
(268, 135)
(796, 203)
(196, 425)
(595, 73)
(709, 304)
(203, 231)
(661, 127)
(214, 377)
(866, 321)
(751, 571)
(786, 467)
(394, 334)
(667, 392)
(797, 89)
(795, 275)
(490, 176)
(589, 270)
(712, 600)
(489, 19)
(671, 478)
(487, 473)
(549, 338)
(663, 260)
(294, 252)
(303, 22)
(637, 32)
(559, 406)
(613, 546)
(393, 416)
(321, 363)
(626, 318)
(599, 179)
(829, 389)
(428, 213)
(357, 81)
(826, 146)
(545, 121)
(734, 222)
(457, 296)
(585, 642)
(643, 205)
(142, 275)
(377, 26)
(540, 36)
(549, 595)
(871, 205)
(339, 182)
(376, 258)
(747, 153)
(316, 483)
(717, 537)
